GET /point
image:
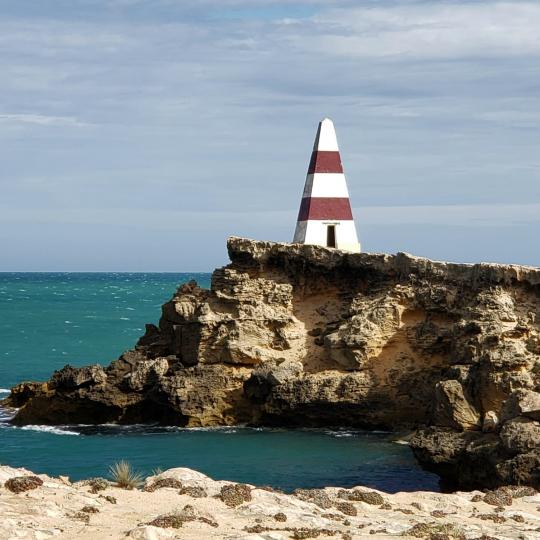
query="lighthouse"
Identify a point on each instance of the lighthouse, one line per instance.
(325, 217)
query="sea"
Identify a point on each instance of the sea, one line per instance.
(48, 320)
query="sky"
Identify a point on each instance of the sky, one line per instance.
(137, 135)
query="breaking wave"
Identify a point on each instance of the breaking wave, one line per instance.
(56, 430)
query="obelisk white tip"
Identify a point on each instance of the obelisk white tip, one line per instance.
(326, 140)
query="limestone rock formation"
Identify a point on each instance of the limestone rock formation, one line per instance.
(299, 335)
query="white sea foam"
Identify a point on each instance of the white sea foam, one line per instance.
(49, 429)
(7, 414)
(219, 429)
(5, 390)
(152, 427)
(401, 441)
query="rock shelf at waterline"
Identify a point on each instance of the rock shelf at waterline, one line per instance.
(299, 335)
(183, 503)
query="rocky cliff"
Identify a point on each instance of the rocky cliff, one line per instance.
(298, 335)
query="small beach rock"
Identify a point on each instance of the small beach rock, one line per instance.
(20, 484)
(90, 509)
(317, 496)
(167, 521)
(498, 497)
(177, 519)
(149, 532)
(187, 477)
(193, 491)
(523, 491)
(347, 508)
(235, 494)
(369, 497)
(80, 516)
(97, 484)
(161, 483)
(436, 531)
(490, 422)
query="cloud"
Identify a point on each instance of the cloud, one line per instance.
(474, 216)
(203, 114)
(43, 120)
(451, 215)
(428, 30)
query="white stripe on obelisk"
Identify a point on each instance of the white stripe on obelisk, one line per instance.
(326, 185)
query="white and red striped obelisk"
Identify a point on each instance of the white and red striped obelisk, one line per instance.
(325, 216)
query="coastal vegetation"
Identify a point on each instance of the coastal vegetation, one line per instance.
(124, 476)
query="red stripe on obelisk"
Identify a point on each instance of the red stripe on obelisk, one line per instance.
(323, 161)
(325, 208)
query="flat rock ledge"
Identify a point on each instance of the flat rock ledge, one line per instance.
(182, 503)
(305, 336)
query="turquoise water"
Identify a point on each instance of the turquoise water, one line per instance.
(50, 319)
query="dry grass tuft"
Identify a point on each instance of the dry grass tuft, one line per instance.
(124, 476)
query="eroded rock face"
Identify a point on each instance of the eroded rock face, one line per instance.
(301, 335)
(520, 435)
(69, 377)
(453, 408)
(522, 402)
(147, 373)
